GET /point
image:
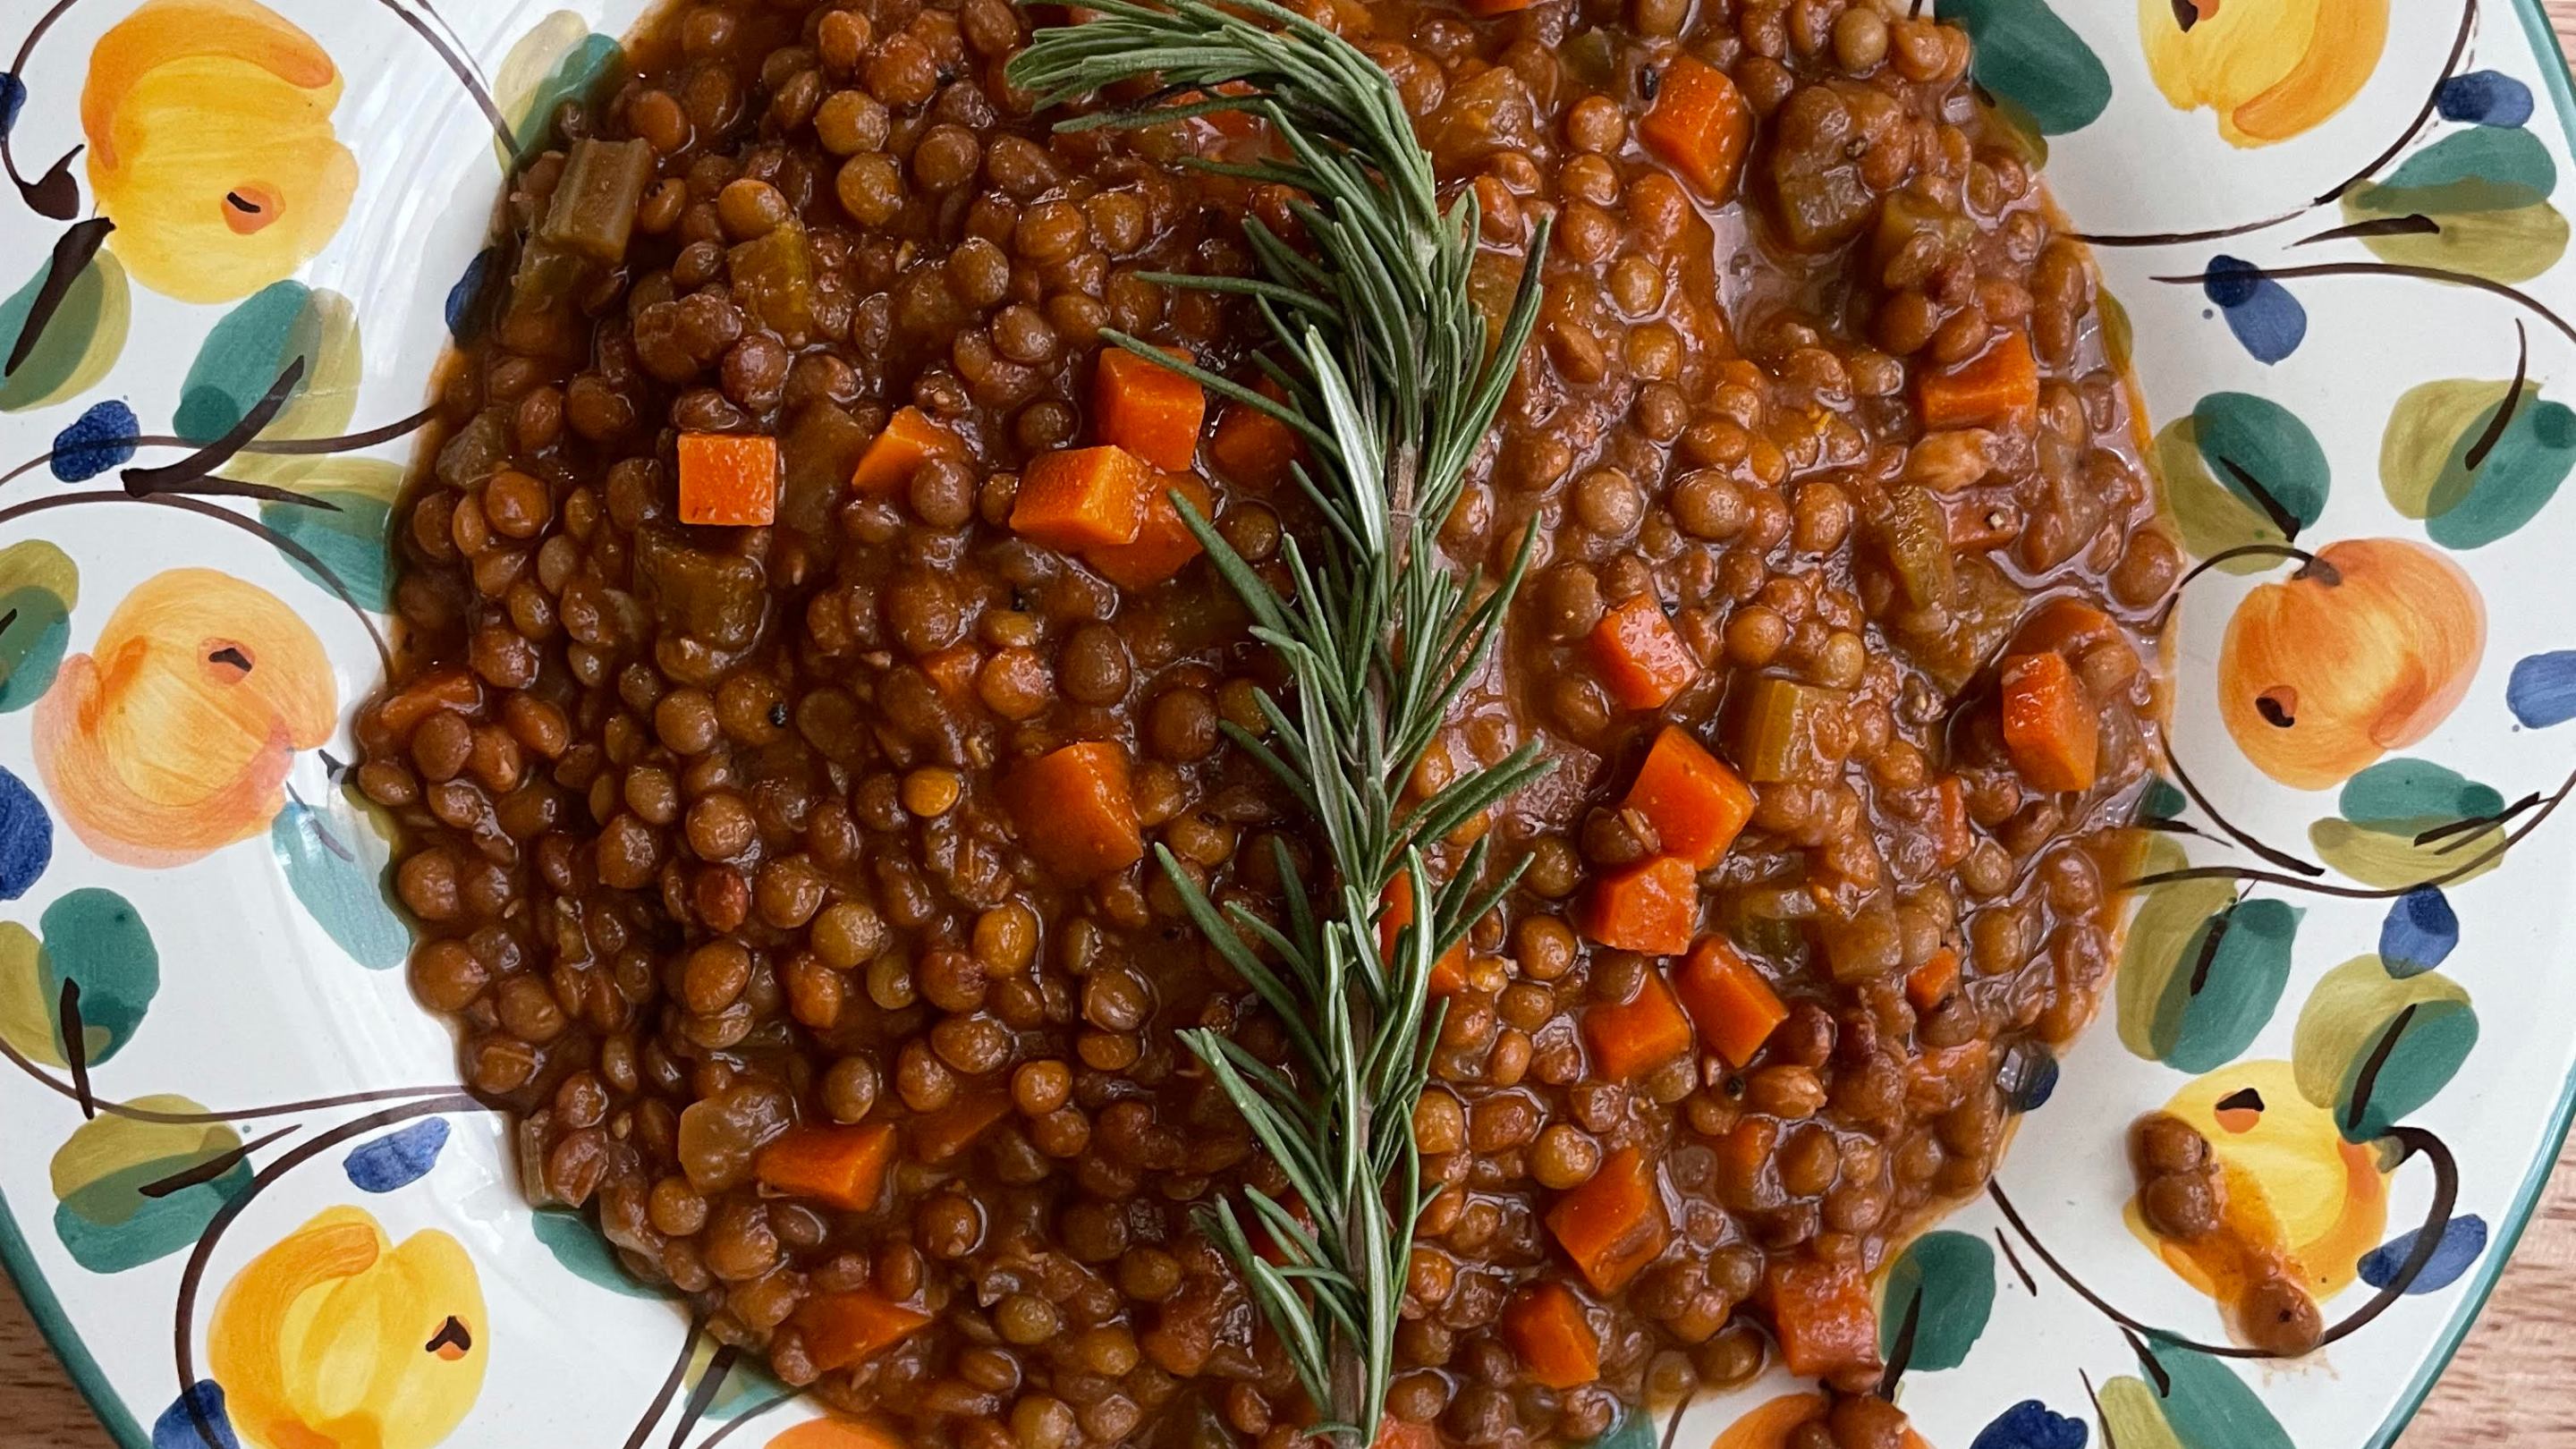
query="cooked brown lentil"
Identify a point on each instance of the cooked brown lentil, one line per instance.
(709, 832)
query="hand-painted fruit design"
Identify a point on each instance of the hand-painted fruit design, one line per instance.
(337, 1339)
(211, 148)
(2271, 69)
(173, 736)
(2300, 1199)
(834, 1434)
(1774, 1424)
(2364, 649)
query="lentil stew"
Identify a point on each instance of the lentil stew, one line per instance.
(802, 654)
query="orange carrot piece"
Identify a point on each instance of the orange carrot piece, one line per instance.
(910, 439)
(1995, 385)
(2050, 728)
(941, 1135)
(728, 479)
(1734, 1008)
(1699, 126)
(1395, 1433)
(1449, 973)
(1652, 907)
(1696, 804)
(1640, 656)
(1546, 1327)
(1497, 7)
(843, 1329)
(2062, 626)
(842, 1166)
(1632, 1037)
(953, 669)
(1165, 545)
(1077, 810)
(1822, 1315)
(1250, 446)
(1148, 409)
(1931, 983)
(1079, 498)
(1612, 1225)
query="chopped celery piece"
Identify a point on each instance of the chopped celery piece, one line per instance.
(1914, 536)
(592, 211)
(1956, 642)
(1771, 729)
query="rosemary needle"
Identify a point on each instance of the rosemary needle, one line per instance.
(1392, 380)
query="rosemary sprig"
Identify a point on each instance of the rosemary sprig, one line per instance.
(1389, 378)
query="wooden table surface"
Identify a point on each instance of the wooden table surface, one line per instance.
(2509, 1384)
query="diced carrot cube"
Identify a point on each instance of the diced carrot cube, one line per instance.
(842, 1166)
(1931, 983)
(1651, 907)
(1700, 126)
(2062, 626)
(1496, 7)
(1164, 545)
(953, 669)
(910, 439)
(728, 479)
(1080, 498)
(1639, 656)
(1822, 1315)
(844, 1329)
(1734, 1008)
(1250, 446)
(1613, 1224)
(1632, 1037)
(1997, 384)
(1148, 409)
(941, 1135)
(1077, 810)
(2051, 730)
(1695, 803)
(1546, 1326)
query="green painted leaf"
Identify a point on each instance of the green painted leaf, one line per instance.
(83, 340)
(353, 538)
(2404, 795)
(583, 1252)
(1634, 1430)
(2025, 54)
(39, 584)
(2221, 461)
(558, 60)
(106, 1221)
(2486, 190)
(2207, 1406)
(245, 353)
(1952, 1276)
(96, 937)
(2170, 917)
(2133, 1418)
(2351, 1029)
(338, 862)
(2224, 985)
(2423, 458)
(2387, 808)
(2386, 861)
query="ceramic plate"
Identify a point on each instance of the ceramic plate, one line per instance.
(249, 1205)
